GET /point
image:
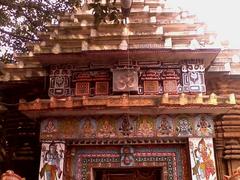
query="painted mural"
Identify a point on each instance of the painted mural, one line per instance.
(164, 126)
(202, 159)
(127, 158)
(51, 165)
(145, 126)
(172, 160)
(184, 126)
(127, 126)
(204, 126)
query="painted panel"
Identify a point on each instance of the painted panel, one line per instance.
(51, 164)
(202, 159)
(172, 160)
(127, 126)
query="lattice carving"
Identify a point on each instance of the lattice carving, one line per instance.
(170, 79)
(101, 88)
(82, 89)
(60, 80)
(151, 87)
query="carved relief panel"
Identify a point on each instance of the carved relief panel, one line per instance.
(171, 78)
(91, 82)
(125, 80)
(193, 78)
(60, 81)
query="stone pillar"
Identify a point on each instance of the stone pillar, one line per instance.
(219, 143)
(202, 158)
(230, 125)
(52, 160)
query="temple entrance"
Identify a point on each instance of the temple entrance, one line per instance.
(128, 174)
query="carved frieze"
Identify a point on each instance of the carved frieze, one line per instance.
(127, 76)
(127, 126)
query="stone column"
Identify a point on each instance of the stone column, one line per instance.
(219, 144)
(230, 126)
(52, 160)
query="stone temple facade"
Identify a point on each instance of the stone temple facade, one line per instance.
(156, 97)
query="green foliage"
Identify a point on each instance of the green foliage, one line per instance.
(105, 13)
(20, 20)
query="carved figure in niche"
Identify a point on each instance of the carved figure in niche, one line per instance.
(88, 129)
(184, 127)
(204, 127)
(204, 166)
(145, 128)
(50, 127)
(234, 176)
(127, 158)
(165, 127)
(51, 169)
(126, 127)
(106, 129)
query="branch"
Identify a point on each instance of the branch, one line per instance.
(17, 36)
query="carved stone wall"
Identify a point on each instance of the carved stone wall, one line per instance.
(144, 78)
(227, 144)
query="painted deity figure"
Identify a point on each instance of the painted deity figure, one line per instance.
(184, 127)
(126, 127)
(51, 169)
(145, 128)
(203, 127)
(165, 127)
(50, 127)
(127, 158)
(204, 165)
(88, 130)
(106, 130)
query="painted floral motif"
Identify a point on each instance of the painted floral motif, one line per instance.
(184, 127)
(202, 159)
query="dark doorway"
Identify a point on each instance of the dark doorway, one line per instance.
(128, 174)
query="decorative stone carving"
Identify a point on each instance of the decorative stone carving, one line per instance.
(10, 175)
(234, 176)
(125, 80)
(60, 80)
(193, 77)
